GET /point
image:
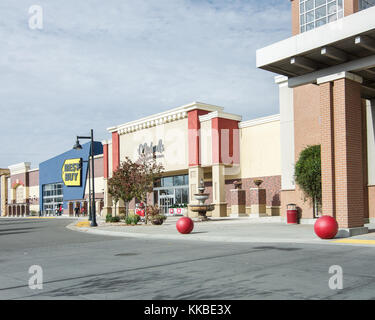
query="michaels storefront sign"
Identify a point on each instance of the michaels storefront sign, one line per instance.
(152, 151)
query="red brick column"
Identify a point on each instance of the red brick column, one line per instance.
(342, 151)
(115, 151)
(348, 153)
(327, 148)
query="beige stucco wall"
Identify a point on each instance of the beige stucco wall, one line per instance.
(260, 150)
(175, 139)
(98, 184)
(110, 159)
(206, 143)
(34, 191)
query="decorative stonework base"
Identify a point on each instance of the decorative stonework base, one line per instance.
(238, 201)
(105, 211)
(238, 215)
(351, 232)
(220, 210)
(258, 200)
(257, 215)
(258, 208)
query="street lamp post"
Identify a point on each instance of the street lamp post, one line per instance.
(77, 146)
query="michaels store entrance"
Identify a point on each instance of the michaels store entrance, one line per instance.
(172, 193)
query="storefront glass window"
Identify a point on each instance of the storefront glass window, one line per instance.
(52, 197)
(315, 13)
(171, 191)
(364, 4)
(167, 182)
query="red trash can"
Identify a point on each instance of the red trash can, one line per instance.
(292, 214)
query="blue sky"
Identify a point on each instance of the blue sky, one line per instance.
(99, 63)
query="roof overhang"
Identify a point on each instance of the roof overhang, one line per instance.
(220, 114)
(346, 45)
(163, 117)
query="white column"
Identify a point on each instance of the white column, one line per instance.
(286, 133)
(195, 175)
(218, 190)
(4, 194)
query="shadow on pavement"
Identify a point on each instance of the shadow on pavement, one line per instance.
(8, 233)
(18, 229)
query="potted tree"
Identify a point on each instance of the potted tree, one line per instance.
(153, 213)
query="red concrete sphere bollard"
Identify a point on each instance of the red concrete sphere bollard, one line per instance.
(326, 227)
(185, 225)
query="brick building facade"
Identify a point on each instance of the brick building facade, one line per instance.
(327, 90)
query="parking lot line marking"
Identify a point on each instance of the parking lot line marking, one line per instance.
(40, 218)
(355, 241)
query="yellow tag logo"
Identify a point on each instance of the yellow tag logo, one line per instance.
(71, 172)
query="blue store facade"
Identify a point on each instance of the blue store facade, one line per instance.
(56, 175)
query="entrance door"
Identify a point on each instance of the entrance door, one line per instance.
(166, 201)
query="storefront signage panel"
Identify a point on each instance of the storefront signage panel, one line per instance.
(151, 151)
(72, 172)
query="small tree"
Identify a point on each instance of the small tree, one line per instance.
(149, 171)
(308, 175)
(123, 184)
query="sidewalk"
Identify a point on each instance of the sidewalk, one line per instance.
(244, 230)
(45, 217)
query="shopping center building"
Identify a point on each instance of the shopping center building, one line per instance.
(327, 97)
(59, 181)
(326, 82)
(201, 141)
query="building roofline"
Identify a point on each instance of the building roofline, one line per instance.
(259, 121)
(220, 114)
(163, 117)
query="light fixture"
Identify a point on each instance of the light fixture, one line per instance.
(77, 146)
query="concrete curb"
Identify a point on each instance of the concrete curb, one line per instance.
(195, 237)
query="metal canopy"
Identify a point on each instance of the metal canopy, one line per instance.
(346, 45)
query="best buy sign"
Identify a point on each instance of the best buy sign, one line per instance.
(71, 172)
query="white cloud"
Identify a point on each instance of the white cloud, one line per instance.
(101, 63)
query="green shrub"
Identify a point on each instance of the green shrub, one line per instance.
(111, 219)
(33, 213)
(132, 219)
(308, 174)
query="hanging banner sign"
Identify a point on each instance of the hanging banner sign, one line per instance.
(72, 172)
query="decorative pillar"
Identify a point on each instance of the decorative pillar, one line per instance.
(195, 175)
(258, 202)
(342, 151)
(107, 209)
(327, 148)
(238, 202)
(218, 189)
(196, 172)
(4, 194)
(370, 127)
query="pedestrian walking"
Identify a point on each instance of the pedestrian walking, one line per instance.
(76, 211)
